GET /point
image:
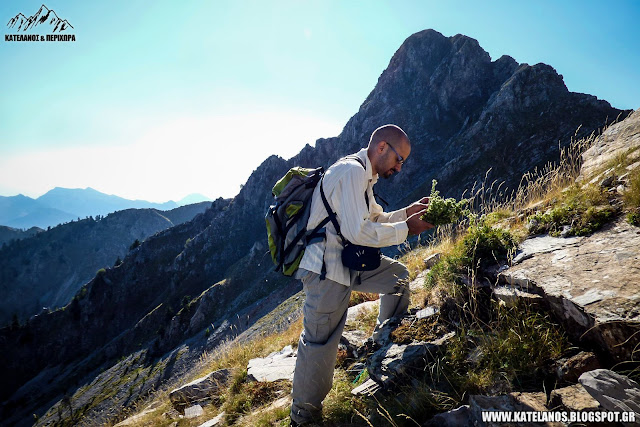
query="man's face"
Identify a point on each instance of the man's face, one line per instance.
(393, 158)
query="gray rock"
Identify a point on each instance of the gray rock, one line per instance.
(459, 417)
(541, 245)
(613, 391)
(608, 181)
(276, 366)
(479, 404)
(418, 282)
(514, 402)
(199, 390)
(214, 422)
(367, 388)
(355, 339)
(193, 411)
(393, 361)
(432, 260)
(589, 283)
(511, 295)
(427, 312)
(354, 311)
(566, 230)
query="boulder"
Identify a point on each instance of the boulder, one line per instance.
(354, 311)
(572, 398)
(276, 366)
(393, 361)
(355, 339)
(589, 283)
(613, 391)
(570, 369)
(199, 390)
(479, 404)
(514, 403)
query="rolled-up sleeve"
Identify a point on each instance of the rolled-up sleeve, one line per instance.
(378, 229)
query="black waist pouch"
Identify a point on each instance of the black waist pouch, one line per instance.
(360, 258)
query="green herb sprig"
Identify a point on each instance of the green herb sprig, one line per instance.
(443, 211)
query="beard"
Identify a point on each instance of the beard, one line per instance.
(388, 174)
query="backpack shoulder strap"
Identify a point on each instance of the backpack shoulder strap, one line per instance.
(364, 166)
(357, 159)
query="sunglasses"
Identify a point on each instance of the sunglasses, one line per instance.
(400, 158)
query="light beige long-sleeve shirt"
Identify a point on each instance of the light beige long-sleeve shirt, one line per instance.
(345, 183)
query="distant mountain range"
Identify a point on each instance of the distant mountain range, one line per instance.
(62, 205)
(41, 268)
(44, 15)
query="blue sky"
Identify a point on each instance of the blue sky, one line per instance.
(158, 99)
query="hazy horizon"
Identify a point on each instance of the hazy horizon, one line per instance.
(156, 101)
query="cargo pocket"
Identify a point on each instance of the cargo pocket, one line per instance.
(317, 327)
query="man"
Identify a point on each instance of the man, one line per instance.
(328, 284)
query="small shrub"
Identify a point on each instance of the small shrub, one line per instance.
(443, 211)
(634, 218)
(486, 245)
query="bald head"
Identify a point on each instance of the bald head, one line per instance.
(389, 147)
(389, 133)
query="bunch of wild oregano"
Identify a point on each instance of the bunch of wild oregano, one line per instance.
(443, 211)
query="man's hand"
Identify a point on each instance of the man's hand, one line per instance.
(416, 207)
(416, 225)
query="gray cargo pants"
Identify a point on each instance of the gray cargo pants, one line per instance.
(325, 313)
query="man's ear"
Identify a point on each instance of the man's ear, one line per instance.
(381, 145)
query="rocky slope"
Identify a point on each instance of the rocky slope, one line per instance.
(585, 288)
(48, 269)
(464, 114)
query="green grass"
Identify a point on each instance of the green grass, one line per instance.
(585, 210)
(515, 348)
(243, 396)
(632, 196)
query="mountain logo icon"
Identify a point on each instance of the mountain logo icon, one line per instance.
(44, 16)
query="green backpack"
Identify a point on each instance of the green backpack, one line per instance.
(287, 218)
